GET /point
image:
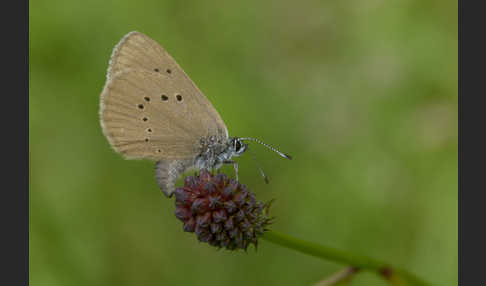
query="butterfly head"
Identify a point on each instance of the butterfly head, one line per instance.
(237, 146)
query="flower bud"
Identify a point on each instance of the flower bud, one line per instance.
(221, 211)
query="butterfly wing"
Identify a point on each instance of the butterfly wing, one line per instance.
(137, 51)
(146, 116)
(147, 112)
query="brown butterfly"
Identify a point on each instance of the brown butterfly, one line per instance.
(150, 109)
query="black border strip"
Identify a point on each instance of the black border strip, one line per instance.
(472, 110)
(14, 208)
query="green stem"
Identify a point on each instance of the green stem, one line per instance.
(394, 275)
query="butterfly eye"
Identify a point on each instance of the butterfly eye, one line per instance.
(237, 146)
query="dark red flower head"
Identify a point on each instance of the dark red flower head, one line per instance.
(221, 211)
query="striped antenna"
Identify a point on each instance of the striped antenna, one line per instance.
(268, 146)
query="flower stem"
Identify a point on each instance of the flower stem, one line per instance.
(394, 275)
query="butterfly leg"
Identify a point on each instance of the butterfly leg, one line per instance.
(235, 165)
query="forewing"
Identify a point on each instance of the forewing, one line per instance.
(150, 108)
(136, 51)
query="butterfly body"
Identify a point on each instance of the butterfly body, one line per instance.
(213, 154)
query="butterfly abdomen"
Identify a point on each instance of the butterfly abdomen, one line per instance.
(168, 171)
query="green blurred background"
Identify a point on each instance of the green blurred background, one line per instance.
(363, 94)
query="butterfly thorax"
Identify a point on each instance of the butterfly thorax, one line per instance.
(215, 152)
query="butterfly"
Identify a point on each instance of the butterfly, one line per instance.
(150, 109)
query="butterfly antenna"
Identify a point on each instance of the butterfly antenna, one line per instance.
(259, 167)
(268, 146)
